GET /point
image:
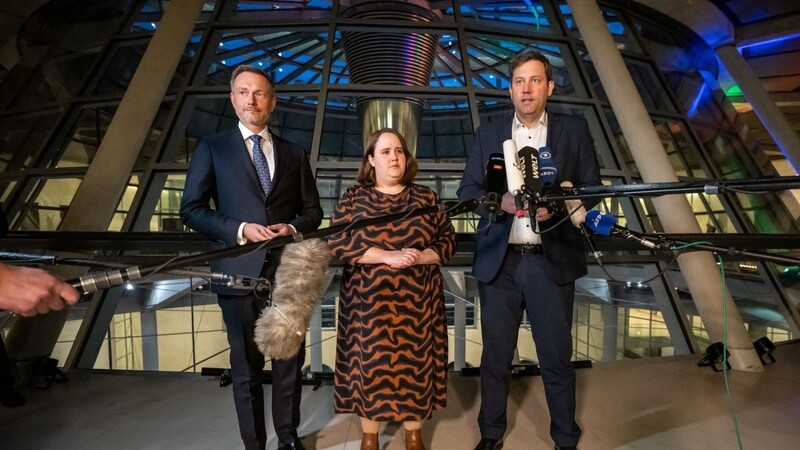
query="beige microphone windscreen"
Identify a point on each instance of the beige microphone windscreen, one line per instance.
(281, 328)
(575, 209)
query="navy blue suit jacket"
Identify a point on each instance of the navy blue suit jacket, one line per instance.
(573, 156)
(221, 170)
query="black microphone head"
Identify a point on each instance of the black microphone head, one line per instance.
(496, 173)
(495, 182)
(529, 163)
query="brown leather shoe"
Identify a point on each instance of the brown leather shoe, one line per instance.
(414, 440)
(369, 441)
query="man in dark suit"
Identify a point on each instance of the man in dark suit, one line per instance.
(517, 268)
(262, 187)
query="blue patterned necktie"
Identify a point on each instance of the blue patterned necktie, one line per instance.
(260, 161)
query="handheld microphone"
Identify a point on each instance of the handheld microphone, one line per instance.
(605, 224)
(547, 169)
(529, 163)
(495, 179)
(514, 177)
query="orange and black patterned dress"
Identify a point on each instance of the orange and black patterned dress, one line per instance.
(391, 345)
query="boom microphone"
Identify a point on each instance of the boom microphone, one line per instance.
(605, 224)
(281, 328)
(514, 177)
(495, 180)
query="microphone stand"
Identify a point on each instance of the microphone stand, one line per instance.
(731, 251)
(677, 187)
(103, 280)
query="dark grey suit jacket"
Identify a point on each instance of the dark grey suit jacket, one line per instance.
(221, 170)
(575, 160)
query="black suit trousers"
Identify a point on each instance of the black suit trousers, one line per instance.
(247, 371)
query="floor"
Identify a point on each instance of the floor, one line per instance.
(665, 403)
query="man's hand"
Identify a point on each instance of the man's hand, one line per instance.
(254, 232)
(542, 214)
(27, 291)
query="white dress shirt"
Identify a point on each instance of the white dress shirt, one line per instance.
(269, 153)
(536, 137)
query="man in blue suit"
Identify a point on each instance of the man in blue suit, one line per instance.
(517, 268)
(262, 187)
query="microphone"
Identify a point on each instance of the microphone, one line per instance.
(547, 169)
(529, 163)
(605, 224)
(495, 179)
(281, 328)
(514, 177)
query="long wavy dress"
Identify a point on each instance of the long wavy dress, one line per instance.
(391, 347)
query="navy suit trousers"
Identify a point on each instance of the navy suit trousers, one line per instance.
(247, 371)
(525, 284)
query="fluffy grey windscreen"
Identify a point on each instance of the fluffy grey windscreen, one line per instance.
(281, 328)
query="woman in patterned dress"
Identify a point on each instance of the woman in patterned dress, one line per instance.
(391, 346)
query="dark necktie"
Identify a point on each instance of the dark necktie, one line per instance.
(260, 161)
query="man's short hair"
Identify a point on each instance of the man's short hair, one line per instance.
(530, 55)
(252, 69)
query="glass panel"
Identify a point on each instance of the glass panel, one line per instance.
(149, 16)
(124, 205)
(89, 130)
(648, 85)
(125, 60)
(166, 216)
(203, 116)
(84, 139)
(617, 26)
(256, 10)
(51, 199)
(448, 70)
(70, 331)
(57, 80)
(21, 137)
(289, 57)
(72, 47)
(446, 132)
(341, 131)
(617, 315)
(529, 16)
(293, 119)
(489, 57)
(6, 190)
(757, 304)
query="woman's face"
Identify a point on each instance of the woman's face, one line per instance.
(389, 160)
